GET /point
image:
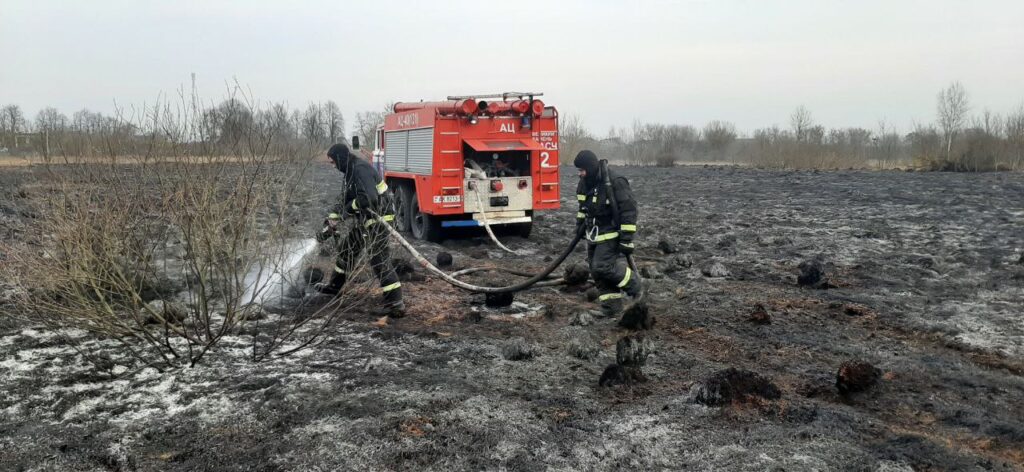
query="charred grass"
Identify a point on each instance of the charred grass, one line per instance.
(920, 269)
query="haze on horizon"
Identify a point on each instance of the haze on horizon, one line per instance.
(752, 63)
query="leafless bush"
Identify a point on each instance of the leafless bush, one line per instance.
(652, 144)
(170, 236)
(986, 142)
(573, 136)
(719, 135)
(925, 144)
(367, 123)
(1015, 138)
(889, 148)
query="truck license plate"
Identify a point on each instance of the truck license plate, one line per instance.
(447, 198)
(499, 201)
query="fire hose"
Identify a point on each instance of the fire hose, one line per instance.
(487, 224)
(535, 279)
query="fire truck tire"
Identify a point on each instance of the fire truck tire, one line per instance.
(404, 195)
(424, 226)
(522, 229)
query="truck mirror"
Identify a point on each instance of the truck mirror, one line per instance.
(355, 142)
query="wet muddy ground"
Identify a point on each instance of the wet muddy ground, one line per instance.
(922, 276)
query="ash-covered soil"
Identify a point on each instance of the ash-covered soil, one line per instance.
(919, 275)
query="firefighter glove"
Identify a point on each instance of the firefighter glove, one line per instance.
(326, 233)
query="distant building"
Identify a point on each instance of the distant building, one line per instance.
(18, 140)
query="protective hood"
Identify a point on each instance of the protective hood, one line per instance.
(341, 156)
(587, 161)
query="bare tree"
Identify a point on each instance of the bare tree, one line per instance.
(573, 135)
(314, 125)
(952, 109)
(801, 123)
(675, 143)
(49, 119)
(276, 120)
(1015, 136)
(926, 146)
(50, 123)
(85, 121)
(719, 135)
(640, 143)
(14, 119)
(888, 145)
(848, 147)
(13, 123)
(333, 121)
(366, 127)
(990, 123)
(229, 122)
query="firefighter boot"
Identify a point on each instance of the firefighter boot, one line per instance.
(391, 310)
(393, 307)
(632, 284)
(332, 287)
(635, 291)
(612, 306)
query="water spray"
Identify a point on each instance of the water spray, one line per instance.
(272, 279)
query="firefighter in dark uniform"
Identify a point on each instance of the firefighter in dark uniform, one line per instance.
(608, 240)
(365, 191)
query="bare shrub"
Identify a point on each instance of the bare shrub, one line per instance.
(654, 143)
(889, 147)
(366, 127)
(51, 125)
(676, 143)
(170, 237)
(719, 135)
(639, 144)
(1015, 138)
(807, 145)
(573, 136)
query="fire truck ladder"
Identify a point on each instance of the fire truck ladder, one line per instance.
(504, 96)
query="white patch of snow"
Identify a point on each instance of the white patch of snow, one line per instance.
(8, 340)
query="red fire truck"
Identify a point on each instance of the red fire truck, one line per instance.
(457, 162)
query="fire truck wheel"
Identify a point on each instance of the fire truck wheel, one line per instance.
(404, 195)
(523, 229)
(424, 226)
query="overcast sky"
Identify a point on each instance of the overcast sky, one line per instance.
(687, 62)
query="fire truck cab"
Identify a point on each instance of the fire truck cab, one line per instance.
(452, 163)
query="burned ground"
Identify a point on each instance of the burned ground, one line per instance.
(920, 277)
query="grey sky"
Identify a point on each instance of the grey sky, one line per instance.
(750, 62)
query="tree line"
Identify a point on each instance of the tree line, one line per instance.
(223, 125)
(957, 141)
